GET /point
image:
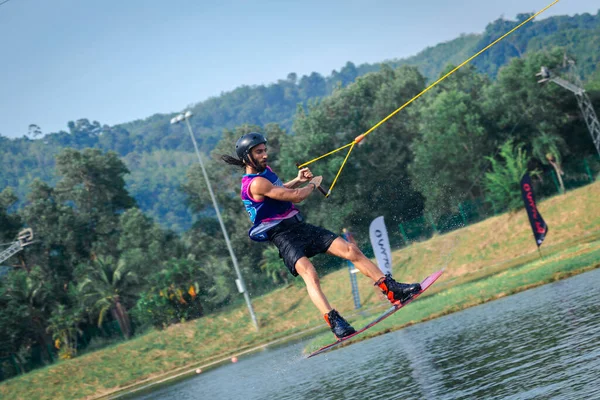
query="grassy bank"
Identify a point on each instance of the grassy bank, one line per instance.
(483, 261)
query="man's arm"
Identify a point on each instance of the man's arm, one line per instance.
(261, 188)
(294, 183)
(304, 175)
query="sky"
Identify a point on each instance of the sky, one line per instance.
(116, 61)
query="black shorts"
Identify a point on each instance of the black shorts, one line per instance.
(296, 239)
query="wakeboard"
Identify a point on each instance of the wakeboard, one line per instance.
(426, 284)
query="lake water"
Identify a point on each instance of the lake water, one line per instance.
(540, 344)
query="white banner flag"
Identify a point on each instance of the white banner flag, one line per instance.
(381, 245)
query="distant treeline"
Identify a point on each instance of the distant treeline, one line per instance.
(157, 152)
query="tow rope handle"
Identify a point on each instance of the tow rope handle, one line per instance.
(323, 191)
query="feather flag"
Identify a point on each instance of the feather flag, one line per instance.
(538, 226)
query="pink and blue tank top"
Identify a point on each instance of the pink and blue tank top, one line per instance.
(265, 214)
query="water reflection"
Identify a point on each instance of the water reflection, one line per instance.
(542, 344)
(527, 346)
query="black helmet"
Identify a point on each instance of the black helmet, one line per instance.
(246, 143)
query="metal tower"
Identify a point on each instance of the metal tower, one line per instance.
(583, 100)
(25, 237)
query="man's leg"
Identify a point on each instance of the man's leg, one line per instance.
(339, 326)
(394, 291)
(348, 251)
(307, 271)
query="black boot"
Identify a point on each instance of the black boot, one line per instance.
(395, 291)
(339, 326)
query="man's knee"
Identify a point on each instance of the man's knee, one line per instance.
(354, 252)
(307, 271)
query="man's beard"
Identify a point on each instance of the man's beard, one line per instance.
(258, 166)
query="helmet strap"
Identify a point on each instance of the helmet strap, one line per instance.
(248, 159)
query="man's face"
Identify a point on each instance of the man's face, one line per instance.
(259, 156)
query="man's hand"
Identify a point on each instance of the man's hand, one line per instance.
(304, 175)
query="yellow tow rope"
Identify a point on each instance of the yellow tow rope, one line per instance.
(362, 136)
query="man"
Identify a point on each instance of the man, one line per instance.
(270, 206)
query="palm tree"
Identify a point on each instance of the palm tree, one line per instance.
(64, 327)
(502, 183)
(25, 302)
(107, 286)
(272, 266)
(546, 148)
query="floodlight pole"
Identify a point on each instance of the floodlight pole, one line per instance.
(240, 281)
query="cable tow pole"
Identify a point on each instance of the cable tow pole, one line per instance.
(362, 136)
